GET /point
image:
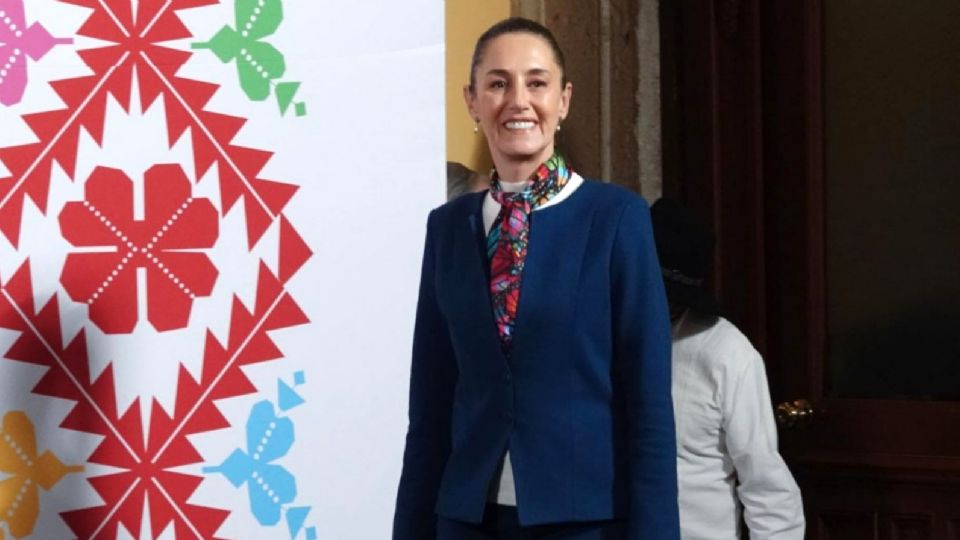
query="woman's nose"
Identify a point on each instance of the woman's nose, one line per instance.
(518, 96)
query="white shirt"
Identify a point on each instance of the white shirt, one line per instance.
(726, 438)
(503, 490)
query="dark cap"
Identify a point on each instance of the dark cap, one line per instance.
(685, 249)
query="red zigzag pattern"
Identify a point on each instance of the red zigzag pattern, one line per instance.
(146, 473)
(155, 68)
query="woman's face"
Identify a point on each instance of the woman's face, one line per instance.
(519, 99)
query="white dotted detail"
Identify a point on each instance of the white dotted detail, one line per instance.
(156, 238)
(109, 279)
(255, 65)
(17, 450)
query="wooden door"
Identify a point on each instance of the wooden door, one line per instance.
(822, 138)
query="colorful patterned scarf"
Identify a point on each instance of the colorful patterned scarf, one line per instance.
(508, 238)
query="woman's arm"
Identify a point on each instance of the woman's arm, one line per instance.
(642, 348)
(433, 376)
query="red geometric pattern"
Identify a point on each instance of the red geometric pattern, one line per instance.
(137, 52)
(105, 281)
(173, 221)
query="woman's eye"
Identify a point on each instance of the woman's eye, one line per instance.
(538, 84)
(498, 84)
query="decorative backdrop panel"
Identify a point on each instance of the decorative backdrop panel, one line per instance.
(211, 220)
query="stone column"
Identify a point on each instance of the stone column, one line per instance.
(612, 50)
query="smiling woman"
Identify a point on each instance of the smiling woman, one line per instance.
(553, 419)
(519, 95)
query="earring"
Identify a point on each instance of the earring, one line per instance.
(476, 127)
(558, 126)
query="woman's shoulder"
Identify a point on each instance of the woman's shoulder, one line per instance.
(615, 203)
(463, 205)
(606, 193)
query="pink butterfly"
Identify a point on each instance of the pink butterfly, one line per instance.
(17, 42)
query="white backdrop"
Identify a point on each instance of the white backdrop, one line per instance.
(208, 280)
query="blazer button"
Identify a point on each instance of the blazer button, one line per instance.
(507, 416)
(507, 377)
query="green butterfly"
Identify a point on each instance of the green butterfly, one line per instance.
(259, 64)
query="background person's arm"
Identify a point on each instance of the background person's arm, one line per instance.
(772, 507)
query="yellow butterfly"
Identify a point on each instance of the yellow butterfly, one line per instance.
(19, 497)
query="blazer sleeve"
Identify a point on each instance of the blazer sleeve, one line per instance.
(433, 375)
(642, 350)
(772, 507)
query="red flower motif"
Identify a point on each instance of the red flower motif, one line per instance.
(165, 243)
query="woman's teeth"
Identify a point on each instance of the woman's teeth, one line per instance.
(519, 125)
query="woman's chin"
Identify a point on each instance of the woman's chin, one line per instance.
(525, 154)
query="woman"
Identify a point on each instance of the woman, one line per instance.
(541, 410)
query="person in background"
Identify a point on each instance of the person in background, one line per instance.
(727, 458)
(540, 379)
(462, 180)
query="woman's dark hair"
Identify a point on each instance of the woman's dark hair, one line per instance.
(511, 26)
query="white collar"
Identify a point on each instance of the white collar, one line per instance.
(491, 207)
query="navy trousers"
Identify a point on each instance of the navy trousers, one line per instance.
(501, 523)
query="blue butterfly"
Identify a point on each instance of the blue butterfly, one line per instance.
(269, 437)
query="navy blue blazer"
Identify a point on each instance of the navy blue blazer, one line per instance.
(583, 401)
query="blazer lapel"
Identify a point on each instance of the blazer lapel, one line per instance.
(474, 275)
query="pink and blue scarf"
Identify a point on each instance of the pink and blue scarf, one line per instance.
(509, 236)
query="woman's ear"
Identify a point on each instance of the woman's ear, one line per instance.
(469, 98)
(565, 98)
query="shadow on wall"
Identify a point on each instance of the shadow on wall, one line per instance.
(33, 472)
